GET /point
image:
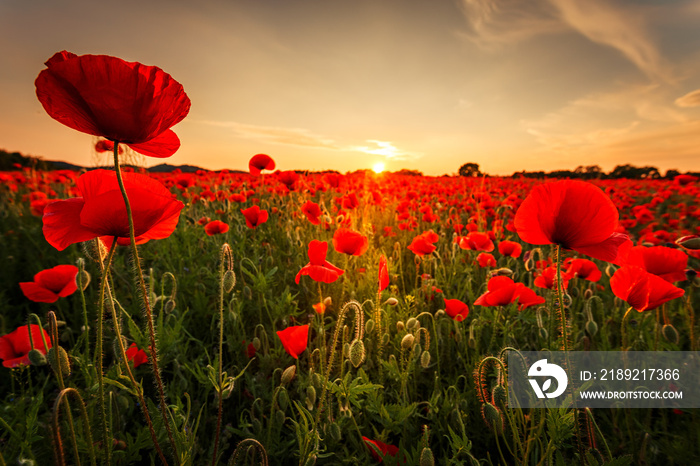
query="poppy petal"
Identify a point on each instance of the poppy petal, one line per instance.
(62, 223)
(38, 293)
(162, 146)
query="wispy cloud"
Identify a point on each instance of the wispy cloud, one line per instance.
(385, 149)
(501, 22)
(691, 99)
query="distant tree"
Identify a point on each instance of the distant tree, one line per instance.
(635, 173)
(469, 170)
(406, 171)
(671, 174)
(588, 172)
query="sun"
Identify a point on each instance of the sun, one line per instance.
(378, 167)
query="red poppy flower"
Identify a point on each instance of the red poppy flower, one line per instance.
(136, 355)
(294, 339)
(288, 178)
(510, 248)
(477, 242)
(121, 101)
(101, 210)
(484, 259)
(383, 273)
(379, 450)
(502, 291)
(320, 308)
(642, 290)
(215, 227)
(574, 214)
(456, 309)
(350, 242)
(424, 243)
(51, 284)
(260, 162)
(667, 263)
(254, 216)
(312, 212)
(203, 221)
(318, 268)
(583, 268)
(15, 347)
(548, 278)
(105, 145)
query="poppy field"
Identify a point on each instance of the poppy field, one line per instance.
(283, 317)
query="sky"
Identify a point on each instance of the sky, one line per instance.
(425, 85)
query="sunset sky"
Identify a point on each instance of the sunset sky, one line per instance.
(420, 84)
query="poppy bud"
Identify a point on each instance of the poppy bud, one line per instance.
(311, 394)
(543, 333)
(328, 302)
(412, 324)
(279, 417)
(425, 359)
(440, 313)
(256, 343)
(407, 341)
(400, 326)
(357, 353)
(346, 350)
(689, 242)
(588, 294)
(392, 301)
(84, 279)
(426, 457)
(369, 325)
(63, 362)
(289, 374)
(458, 337)
(591, 327)
(169, 306)
(247, 294)
(499, 396)
(670, 333)
(37, 358)
(335, 432)
(229, 281)
(505, 271)
(493, 417)
(283, 399)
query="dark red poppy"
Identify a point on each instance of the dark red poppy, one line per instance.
(667, 263)
(105, 145)
(350, 242)
(424, 243)
(379, 450)
(547, 278)
(510, 248)
(502, 291)
(260, 162)
(583, 268)
(574, 214)
(642, 290)
(477, 242)
(215, 227)
(318, 268)
(15, 346)
(383, 273)
(136, 355)
(101, 210)
(484, 259)
(288, 178)
(51, 284)
(121, 101)
(294, 339)
(254, 216)
(312, 212)
(456, 309)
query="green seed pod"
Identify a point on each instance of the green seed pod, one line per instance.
(229, 281)
(289, 374)
(247, 294)
(400, 326)
(279, 417)
(335, 432)
(37, 358)
(493, 417)
(84, 279)
(311, 394)
(670, 333)
(412, 324)
(357, 353)
(458, 337)
(316, 379)
(543, 333)
(283, 399)
(500, 396)
(407, 341)
(369, 325)
(426, 457)
(256, 343)
(425, 359)
(169, 306)
(385, 339)
(591, 327)
(63, 360)
(472, 342)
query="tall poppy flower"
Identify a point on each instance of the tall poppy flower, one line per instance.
(456, 309)
(294, 339)
(260, 162)
(424, 243)
(215, 227)
(101, 210)
(573, 214)
(502, 291)
(122, 101)
(15, 346)
(379, 450)
(51, 284)
(642, 290)
(254, 216)
(510, 248)
(383, 273)
(312, 211)
(350, 242)
(318, 268)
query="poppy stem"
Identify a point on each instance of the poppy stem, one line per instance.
(147, 305)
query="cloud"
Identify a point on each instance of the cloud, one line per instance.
(276, 135)
(691, 99)
(385, 149)
(501, 22)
